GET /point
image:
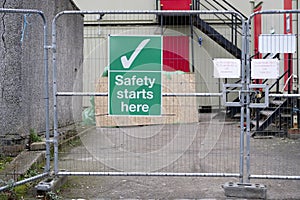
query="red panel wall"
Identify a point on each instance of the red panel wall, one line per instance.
(176, 53)
(257, 32)
(175, 4)
(288, 58)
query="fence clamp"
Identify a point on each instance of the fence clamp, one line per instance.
(231, 88)
(48, 47)
(257, 87)
(254, 92)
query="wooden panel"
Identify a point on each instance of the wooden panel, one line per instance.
(174, 109)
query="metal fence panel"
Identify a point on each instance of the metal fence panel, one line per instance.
(273, 146)
(190, 138)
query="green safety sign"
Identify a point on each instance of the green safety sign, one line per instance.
(135, 65)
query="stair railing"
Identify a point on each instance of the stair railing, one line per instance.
(258, 128)
(235, 23)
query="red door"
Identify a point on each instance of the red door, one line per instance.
(175, 4)
(176, 53)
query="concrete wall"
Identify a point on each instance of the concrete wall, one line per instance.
(22, 103)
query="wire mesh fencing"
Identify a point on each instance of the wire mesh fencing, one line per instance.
(185, 134)
(274, 143)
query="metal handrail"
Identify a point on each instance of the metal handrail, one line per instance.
(233, 8)
(277, 81)
(235, 27)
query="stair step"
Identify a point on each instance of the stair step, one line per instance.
(259, 122)
(277, 102)
(238, 115)
(268, 134)
(225, 112)
(266, 112)
(286, 115)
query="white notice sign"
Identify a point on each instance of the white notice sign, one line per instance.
(277, 43)
(227, 68)
(264, 68)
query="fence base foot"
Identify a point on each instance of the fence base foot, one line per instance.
(50, 184)
(245, 190)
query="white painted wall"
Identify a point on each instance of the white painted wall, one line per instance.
(204, 74)
(244, 6)
(115, 4)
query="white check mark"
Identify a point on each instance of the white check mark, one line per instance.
(127, 63)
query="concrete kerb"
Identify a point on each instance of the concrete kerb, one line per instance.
(22, 164)
(25, 160)
(53, 183)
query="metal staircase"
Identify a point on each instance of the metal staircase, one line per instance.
(234, 110)
(217, 37)
(279, 112)
(231, 22)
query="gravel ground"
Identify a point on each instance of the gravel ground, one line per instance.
(213, 148)
(165, 188)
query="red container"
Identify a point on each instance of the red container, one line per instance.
(175, 4)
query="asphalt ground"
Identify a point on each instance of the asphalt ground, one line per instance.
(210, 146)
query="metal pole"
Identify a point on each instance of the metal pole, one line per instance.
(162, 25)
(64, 173)
(289, 72)
(55, 119)
(46, 85)
(277, 85)
(248, 82)
(242, 102)
(192, 43)
(34, 178)
(236, 31)
(163, 94)
(285, 95)
(241, 167)
(232, 29)
(279, 177)
(298, 62)
(289, 81)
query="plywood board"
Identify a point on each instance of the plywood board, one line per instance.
(174, 109)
